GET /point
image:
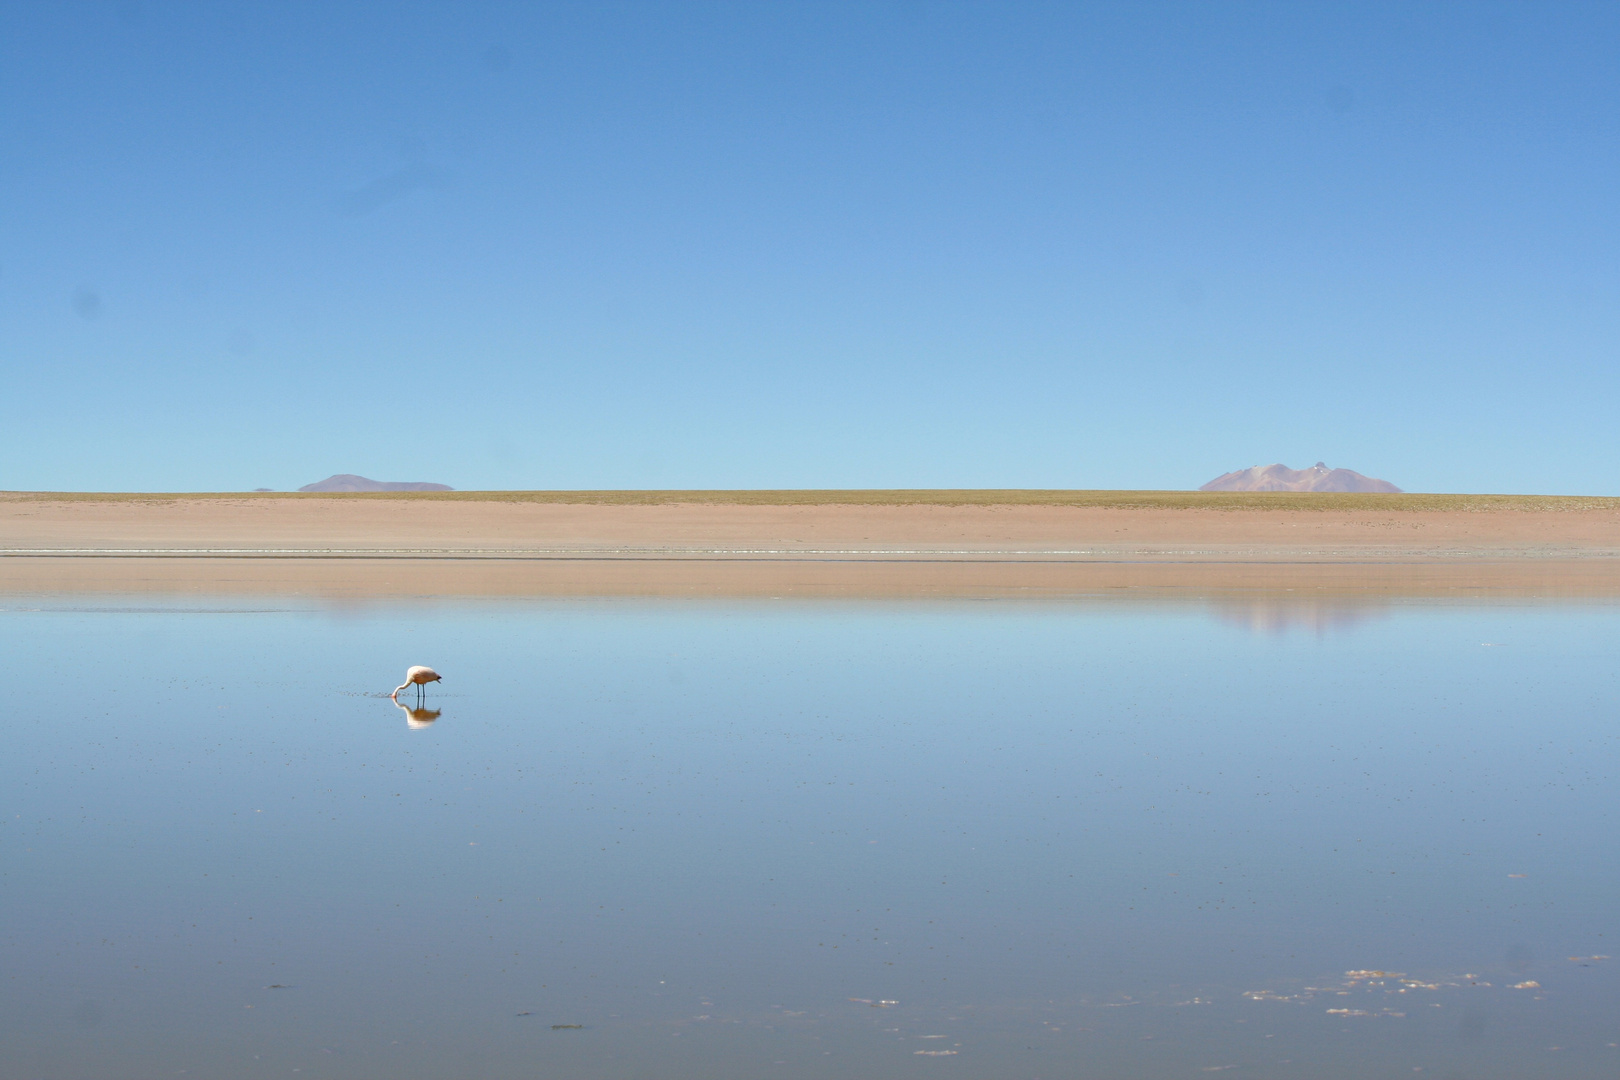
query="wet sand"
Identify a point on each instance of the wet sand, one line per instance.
(378, 547)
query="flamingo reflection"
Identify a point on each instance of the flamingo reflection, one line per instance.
(417, 718)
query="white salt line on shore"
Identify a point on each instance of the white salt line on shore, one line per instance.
(677, 552)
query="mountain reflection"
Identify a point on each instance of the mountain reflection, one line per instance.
(418, 718)
(1281, 616)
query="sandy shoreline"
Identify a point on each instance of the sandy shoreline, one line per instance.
(397, 547)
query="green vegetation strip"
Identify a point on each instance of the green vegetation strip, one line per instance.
(1123, 500)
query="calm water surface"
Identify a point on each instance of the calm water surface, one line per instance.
(810, 840)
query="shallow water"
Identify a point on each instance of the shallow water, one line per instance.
(810, 839)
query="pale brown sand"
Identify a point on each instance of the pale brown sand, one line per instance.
(379, 547)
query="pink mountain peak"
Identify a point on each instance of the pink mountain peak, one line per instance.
(1281, 478)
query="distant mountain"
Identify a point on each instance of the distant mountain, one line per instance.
(1281, 478)
(351, 482)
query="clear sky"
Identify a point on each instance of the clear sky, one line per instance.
(808, 245)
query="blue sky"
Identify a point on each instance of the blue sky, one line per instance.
(808, 245)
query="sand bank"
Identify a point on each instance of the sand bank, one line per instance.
(371, 546)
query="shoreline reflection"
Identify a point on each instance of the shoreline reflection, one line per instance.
(1275, 616)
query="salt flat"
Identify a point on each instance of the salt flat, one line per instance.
(847, 543)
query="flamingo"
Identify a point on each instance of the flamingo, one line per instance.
(418, 675)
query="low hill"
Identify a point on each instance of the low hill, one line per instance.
(1281, 478)
(351, 482)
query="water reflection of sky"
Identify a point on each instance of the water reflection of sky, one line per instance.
(808, 840)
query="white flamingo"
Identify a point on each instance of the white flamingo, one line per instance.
(419, 676)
